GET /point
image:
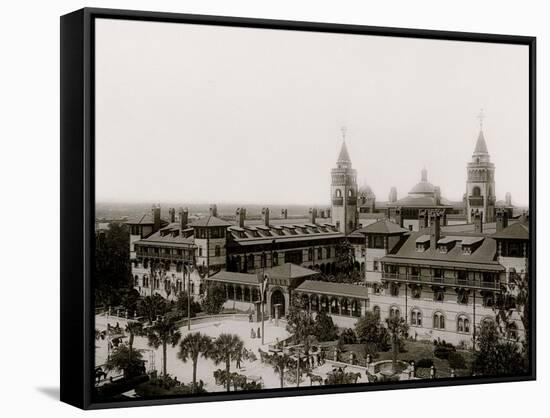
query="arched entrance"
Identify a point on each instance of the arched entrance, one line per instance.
(277, 297)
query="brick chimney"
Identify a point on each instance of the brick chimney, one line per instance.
(502, 219)
(172, 213)
(213, 210)
(399, 216)
(265, 216)
(241, 216)
(184, 217)
(284, 213)
(312, 215)
(156, 217)
(477, 216)
(435, 228)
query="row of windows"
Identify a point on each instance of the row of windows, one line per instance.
(462, 295)
(461, 275)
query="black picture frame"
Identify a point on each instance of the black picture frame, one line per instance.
(77, 198)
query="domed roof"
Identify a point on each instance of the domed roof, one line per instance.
(424, 187)
(365, 190)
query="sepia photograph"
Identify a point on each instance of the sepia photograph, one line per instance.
(298, 210)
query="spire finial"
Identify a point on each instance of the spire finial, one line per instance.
(344, 131)
(481, 116)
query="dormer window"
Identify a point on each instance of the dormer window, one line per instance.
(466, 249)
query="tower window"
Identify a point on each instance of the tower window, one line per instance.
(476, 191)
(338, 193)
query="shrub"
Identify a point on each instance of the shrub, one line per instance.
(443, 351)
(372, 349)
(324, 328)
(424, 363)
(348, 336)
(456, 361)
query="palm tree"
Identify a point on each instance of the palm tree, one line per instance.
(133, 328)
(191, 347)
(398, 329)
(152, 306)
(280, 362)
(162, 333)
(225, 348)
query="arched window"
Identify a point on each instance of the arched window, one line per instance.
(145, 263)
(275, 259)
(439, 321)
(439, 294)
(394, 312)
(416, 318)
(350, 193)
(136, 280)
(476, 191)
(416, 292)
(462, 297)
(250, 262)
(394, 289)
(376, 310)
(338, 193)
(263, 260)
(217, 251)
(463, 324)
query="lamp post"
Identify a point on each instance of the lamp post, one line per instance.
(262, 281)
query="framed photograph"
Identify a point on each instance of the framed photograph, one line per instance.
(257, 208)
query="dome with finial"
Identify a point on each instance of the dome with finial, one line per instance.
(424, 186)
(365, 191)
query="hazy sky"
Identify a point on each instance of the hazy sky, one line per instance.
(190, 113)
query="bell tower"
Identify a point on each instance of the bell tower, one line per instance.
(344, 191)
(480, 186)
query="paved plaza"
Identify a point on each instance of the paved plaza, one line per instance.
(206, 367)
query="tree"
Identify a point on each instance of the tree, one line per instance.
(225, 348)
(300, 323)
(514, 300)
(191, 347)
(494, 356)
(280, 362)
(162, 333)
(368, 328)
(121, 360)
(151, 307)
(112, 272)
(345, 258)
(398, 330)
(325, 330)
(133, 328)
(214, 300)
(181, 305)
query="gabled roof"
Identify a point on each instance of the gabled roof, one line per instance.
(384, 226)
(481, 145)
(518, 230)
(210, 221)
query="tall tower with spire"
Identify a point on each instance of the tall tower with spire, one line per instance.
(480, 186)
(344, 191)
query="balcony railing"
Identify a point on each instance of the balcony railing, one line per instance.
(338, 201)
(163, 256)
(352, 200)
(443, 281)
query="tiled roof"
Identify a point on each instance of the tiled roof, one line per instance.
(383, 227)
(484, 256)
(210, 221)
(233, 277)
(337, 289)
(289, 271)
(165, 237)
(518, 230)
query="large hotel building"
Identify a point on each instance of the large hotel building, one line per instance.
(439, 264)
